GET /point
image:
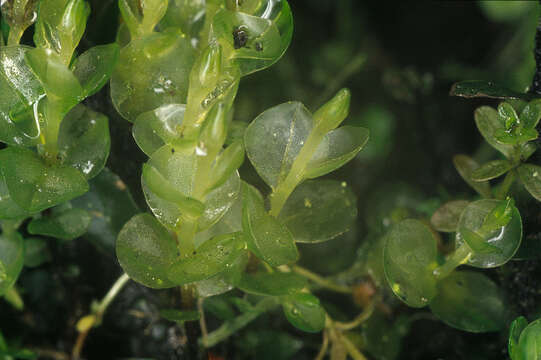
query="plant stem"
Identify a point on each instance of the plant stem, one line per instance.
(324, 346)
(53, 116)
(98, 313)
(502, 191)
(185, 236)
(352, 350)
(362, 317)
(202, 320)
(14, 36)
(321, 281)
(296, 174)
(459, 257)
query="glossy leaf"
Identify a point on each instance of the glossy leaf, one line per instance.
(491, 170)
(531, 114)
(111, 206)
(304, 312)
(94, 67)
(266, 236)
(185, 14)
(530, 176)
(487, 89)
(337, 148)
(146, 250)
(9, 209)
(65, 224)
(488, 123)
(271, 284)
(211, 258)
(56, 78)
(36, 186)
(178, 167)
(446, 218)
(36, 252)
(529, 346)
(158, 127)
(21, 91)
(469, 301)
(60, 25)
(465, 167)
(142, 16)
(478, 217)
(409, 257)
(275, 138)
(319, 210)
(84, 141)
(515, 329)
(19, 15)
(11, 259)
(226, 163)
(223, 281)
(151, 72)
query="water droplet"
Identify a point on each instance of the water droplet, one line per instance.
(201, 150)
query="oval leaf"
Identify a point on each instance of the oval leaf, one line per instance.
(271, 284)
(65, 224)
(530, 176)
(145, 250)
(465, 167)
(319, 210)
(446, 218)
(491, 170)
(409, 258)
(304, 312)
(492, 243)
(489, 124)
(469, 301)
(266, 237)
(11, 259)
(529, 346)
(94, 67)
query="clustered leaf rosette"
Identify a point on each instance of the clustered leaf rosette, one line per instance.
(55, 144)
(488, 232)
(176, 80)
(524, 339)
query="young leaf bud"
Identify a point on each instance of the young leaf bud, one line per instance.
(331, 115)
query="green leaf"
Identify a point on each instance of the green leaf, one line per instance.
(64, 224)
(488, 89)
(529, 347)
(337, 148)
(319, 210)
(36, 252)
(179, 316)
(271, 284)
(209, 259)
(60, 25)
(151, 72)
(515, 329)
(508, 115)
(84, 141)
(446, 218)
(94, 67)
(409, 257)
(489, 124)
(465, 167)
(9, 209)
(186, 15)
(250, 42)
(504, 240)
(141, 17)
(56, 78)
(223, 281)
(158, 127)
(226, 163)
(21, 91)
(36, 186)
(11, 259)
(275, 138)
(491, 170)
(531, 114)
(530, 176)
(111, 206)
(265, 235)
(18, 14)
(178, 167)
(469, 301)
(146, 250)
(304, 312)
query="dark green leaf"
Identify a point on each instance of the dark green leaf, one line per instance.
(11, 259)
(491, 170)
(304, 312)
(465, 167)
(488, 89)
(530, 176)
(64, 224)
(319, 210)
(36, 252)
(489, 124)
(515, 329)
(146, 250)
(447, 216)
(469, 301)
(271, 284)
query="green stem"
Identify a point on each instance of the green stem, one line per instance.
(321, 281)
(503, 189)
(296, 174)
(185, 236)
(14, 36)
(51, 131)
(362, 317)
(111, 294)
(459, 257)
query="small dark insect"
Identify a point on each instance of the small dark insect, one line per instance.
(259, 46)
(172, 150)
(240, 37)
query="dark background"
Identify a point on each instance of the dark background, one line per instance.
(399, 59)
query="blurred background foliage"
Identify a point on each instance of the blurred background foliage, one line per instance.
(399, 59)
